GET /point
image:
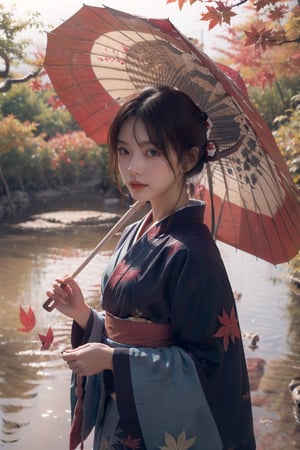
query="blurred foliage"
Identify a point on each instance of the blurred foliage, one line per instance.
(29, 162)
(287, 136)
(263, 61)
(275, 100)
(28, 105)
(14, 48)
(77, 159)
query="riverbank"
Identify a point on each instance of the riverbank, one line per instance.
(59, 209)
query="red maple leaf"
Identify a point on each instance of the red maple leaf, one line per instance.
(180, 2)
(278, 13)
(47, 339)
(174, 248)
(260, 4)
(36, 85)
(27, 319)
(153, 232)
(229, 328)
(226, 12)
(123, 271)
(132, 443)
(213, 16)
(55, 102)
(252, 36)
(216, 16)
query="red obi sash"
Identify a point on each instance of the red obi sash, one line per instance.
(143, 334)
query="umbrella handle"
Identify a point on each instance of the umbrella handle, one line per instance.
(50, 304)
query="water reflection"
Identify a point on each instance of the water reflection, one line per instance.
(34, 385)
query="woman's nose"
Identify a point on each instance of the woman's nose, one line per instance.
(135, 165)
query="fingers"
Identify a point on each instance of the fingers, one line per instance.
(57, 294)
(69, 355)
(60, 291)
(75, 364)
(74, 353)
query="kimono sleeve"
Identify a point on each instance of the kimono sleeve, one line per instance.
(205, 324)
(199, 292)
(159, 389)
(93, 389)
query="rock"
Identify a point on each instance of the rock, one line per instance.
(294, 387)
(66, 219)
(295, 283)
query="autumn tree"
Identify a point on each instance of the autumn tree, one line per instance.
(263, 62)
(35, 102)
(13, 49)
(262, 43)
(17, 140)
(268, 32)
(287, 137)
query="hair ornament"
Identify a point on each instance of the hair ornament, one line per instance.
(208, 123)
(210, 149)
(210, 146)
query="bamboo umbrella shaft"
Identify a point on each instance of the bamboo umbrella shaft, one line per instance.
(49, 304)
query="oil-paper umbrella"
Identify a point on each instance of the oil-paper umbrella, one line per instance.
(99, 57)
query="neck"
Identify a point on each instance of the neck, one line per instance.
(161, 211)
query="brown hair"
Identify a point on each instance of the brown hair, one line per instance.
(171, 119)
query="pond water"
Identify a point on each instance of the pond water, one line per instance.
(34, 384)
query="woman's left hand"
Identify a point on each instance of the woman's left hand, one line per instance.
(89, 359)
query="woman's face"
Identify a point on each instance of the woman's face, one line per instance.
(145, 170)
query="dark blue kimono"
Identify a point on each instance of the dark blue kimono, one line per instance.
(190, 390)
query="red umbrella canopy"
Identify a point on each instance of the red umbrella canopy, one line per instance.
(99, 57)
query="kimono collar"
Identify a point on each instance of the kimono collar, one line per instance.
(191, 213)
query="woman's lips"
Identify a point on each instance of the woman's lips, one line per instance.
(136, 186)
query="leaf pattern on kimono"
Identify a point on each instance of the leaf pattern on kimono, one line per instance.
(27, 319)
(134, 444)
(182, 443)
(123, 271)
(174, 247)
(47, 339)
(229, 328)
(153, 232)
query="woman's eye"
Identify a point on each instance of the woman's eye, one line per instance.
(122, 151)
(153, 152)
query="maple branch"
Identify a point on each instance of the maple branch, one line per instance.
(241, 2)
(7, 84)
(289, 41)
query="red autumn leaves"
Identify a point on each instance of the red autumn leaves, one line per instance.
(229, 329)
(28, 322)
(27, 319)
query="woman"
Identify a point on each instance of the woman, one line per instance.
(163, 366)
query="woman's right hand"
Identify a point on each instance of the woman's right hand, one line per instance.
(69, 300)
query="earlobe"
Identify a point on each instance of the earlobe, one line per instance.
(191, 158)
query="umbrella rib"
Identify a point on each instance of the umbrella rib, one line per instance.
(253, 242)
(258, 211)
(93, 10)
(123, 23)
(278, 190)
(211, 195)
(226, 195)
